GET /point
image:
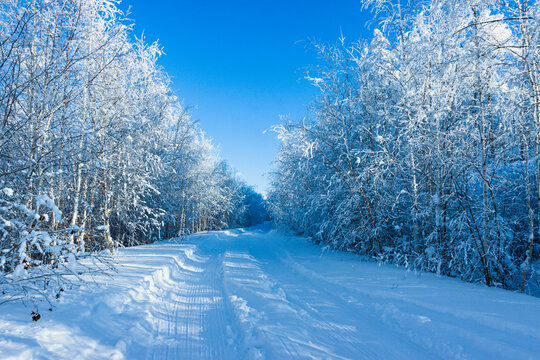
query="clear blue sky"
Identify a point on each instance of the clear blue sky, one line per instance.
(241, 64)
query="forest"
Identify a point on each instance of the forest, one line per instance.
(401, 219)
(422, 147)
(96, 151)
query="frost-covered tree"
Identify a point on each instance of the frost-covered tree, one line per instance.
(95, 150)
(421, 148)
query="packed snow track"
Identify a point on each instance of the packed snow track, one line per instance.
(258, 294)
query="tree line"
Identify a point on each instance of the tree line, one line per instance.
(96, 151)
(422, 147)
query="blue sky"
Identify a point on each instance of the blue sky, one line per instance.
(241, 63)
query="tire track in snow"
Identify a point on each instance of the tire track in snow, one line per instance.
(333, 329)
(190, 313)
(255, 294)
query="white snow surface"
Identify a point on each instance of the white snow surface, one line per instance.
(259, 294)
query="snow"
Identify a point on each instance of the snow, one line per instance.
(256, 294)
(8, 191)
(48, 202)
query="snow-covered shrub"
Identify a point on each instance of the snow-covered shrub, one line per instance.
(38, 257)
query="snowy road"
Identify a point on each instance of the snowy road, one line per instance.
(257, 294)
